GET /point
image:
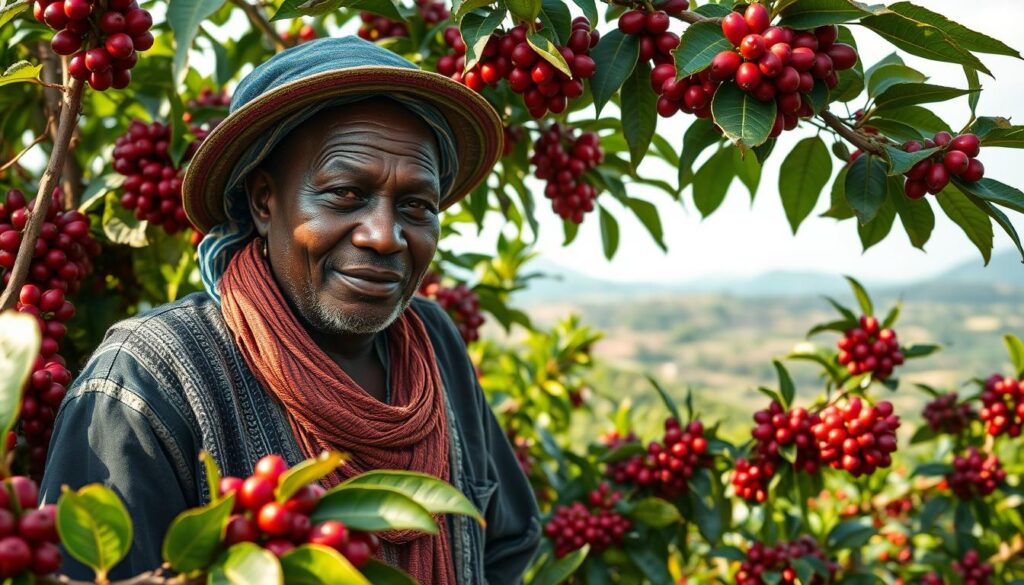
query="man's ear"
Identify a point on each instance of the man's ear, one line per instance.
(259, 185)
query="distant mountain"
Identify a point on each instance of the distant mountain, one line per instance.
(1003, 276)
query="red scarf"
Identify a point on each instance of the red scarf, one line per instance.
(328, 410)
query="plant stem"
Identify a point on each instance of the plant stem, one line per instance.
(71, 176)
(68, 122)
(18, 156)
(259, 21)
(859, 140)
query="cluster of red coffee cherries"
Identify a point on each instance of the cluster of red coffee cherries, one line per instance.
(28, 533)
(575, 525)
(152, 185)
(60, 261)
(116, 30)
(776, 429)
(779, 63)
(945, 415)
(763, 558)
(691, 94)
(509, 56)
(561, 158)
(459, 301)
(956, 157)
(973, 570)
(869, 348)
(375, 27)
(668, 465)
(207, 99)
(1002, 406)
(281, 526)
(975, 475)
(651, 27)
(855, 437)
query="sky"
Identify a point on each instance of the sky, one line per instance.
(741, 239)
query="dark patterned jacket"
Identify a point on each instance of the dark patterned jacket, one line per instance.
(169, 383)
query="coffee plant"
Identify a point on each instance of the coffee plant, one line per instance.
(102, 109)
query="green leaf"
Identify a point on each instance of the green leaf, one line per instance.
(862, 296)
(879, 227)
(746, 120)
(655, 512)
(919, 118)
(851, 534)
(179, 129)
(184, 17)
(434, 495)
(971, 219)
(373, 509)
(921, 39)
(555, 16)
(713, 10)
(647, 213)
(998, 132)
(963, 36)
(615, 55)
(246, 563)
(698, 45)
(20, 72)
(748, 170)
(994, 192)
(916, 215)
(524, 10)
(548, 51)
(559, 570)
(802, 176)
(887, 76)
(919, 350)
(787, 390)
(212, 474)
(306, 473)
(900, 161)
(932, 470)
(639, 113)
(1015, 347)
(609, 233)
(476, 29)
(383, 574)
(712, 181)
(9, 11)
(670, 404)
(120, 225)
(908, 94)
(819, 96)
(838, 326)
(839, 209)
(892, 316)
(763, 151)
(698, 137)
(932, 510)
(805, 14)
(94, 527)
(194, 537)
(708, 519)
(589, 8)
(316, 564)
(865, 187)
(771, 394)
(999, 217)
(727, 552)
(20, 339)
(387, 8)
(973, 83)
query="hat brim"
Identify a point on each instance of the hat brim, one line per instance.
(475, 124)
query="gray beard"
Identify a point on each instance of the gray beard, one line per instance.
(338, 323)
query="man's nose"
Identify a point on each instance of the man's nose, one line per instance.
(381, 232)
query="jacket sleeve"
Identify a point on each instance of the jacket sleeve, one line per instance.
(513, 519)
(100, 438)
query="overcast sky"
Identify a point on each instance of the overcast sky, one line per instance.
(740, 239)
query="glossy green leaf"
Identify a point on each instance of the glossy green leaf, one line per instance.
(179, 130)
(932, 470)
(805, 14)
(655, 512)
(589, 8)
(315, 564)
(639, 116)
(476, 29)
(20, 72)
(999, 217)
(666, 398)
(648, 215)
(9, 11)
(889, 75)
(194, 537)
(434, 495)
(746, 120)
(998, 132)
(373, 508)
(748, 170)
(307, 472)
(963, 36)
(383, 574)
(804, 173)
(920, 39)
(993, 191)
(787, 390)
(916, 215)
(698, 45)
(974, 84)
(298, 8)
(763, 151)
(609, 233)
(184, 17)
(972, 220)
(917, 117)
(900, 161)
(879, 227)
(548, 51)
(555, 16)
(698, 137)
(712, 181)
(560, 570)
(120, 225)
(615, 55)
(524, 10)
(460, 8)
(20, 339)
(865, 187)
(1015, 347)
(708, 518)
(212, 474)
(908, 94)
(94, 527)
(246, 563)
(851, 534)
(713, 10)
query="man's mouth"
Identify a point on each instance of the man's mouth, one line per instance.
(369, 281)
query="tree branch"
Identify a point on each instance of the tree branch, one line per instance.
(855, 138)
(259, 21)
(18, 156)
(68, 122)
(71, 184)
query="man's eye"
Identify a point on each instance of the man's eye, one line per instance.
(421, 205)
(346, 194)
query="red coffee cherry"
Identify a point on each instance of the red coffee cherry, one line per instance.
(870, 349)
(1002, 410)
(274, 518)
(240, 529)
(255, 492)
(975, 475)
(857, 438)
(945, 415)
(571, 527)
(762, 558)
(561, 159)
(329, 533)
(270, 467)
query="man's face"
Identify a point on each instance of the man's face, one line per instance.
(348, 202)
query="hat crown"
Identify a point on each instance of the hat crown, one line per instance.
(311, 58)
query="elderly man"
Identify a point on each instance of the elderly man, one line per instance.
(320, 196)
